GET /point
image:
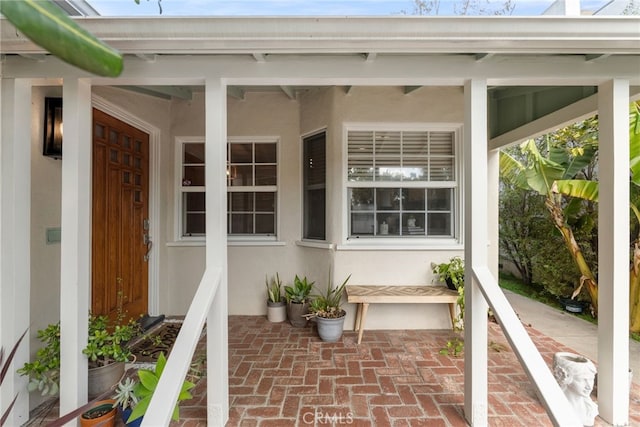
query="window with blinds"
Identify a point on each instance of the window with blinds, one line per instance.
(401, 183)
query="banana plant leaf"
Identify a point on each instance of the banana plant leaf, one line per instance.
(542, 175)
(46, 25)
(579, 162)
(580, 188)
(512, 171)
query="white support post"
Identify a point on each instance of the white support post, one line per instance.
(75, 250)
(475, 250)
(216, 250)
(15, 231)
(493, 210)
(613, 253)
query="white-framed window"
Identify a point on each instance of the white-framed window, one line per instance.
(314, 186)
(252, 188)
(190, 200)
(402, 182)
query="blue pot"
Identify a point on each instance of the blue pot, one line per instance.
(125, 416)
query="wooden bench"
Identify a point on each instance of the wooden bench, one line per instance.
(363, 295)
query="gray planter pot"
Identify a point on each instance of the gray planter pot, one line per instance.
(102, 378)
(295, 311)
(276, 311)
(330, 330)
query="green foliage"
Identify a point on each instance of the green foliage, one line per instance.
(146, 386)
(454, 347)
(48, 26)
(107, 343)
(274, 288)
(300, 291)
(44, 371)
(524, 228)
(329, 304)
(452, 271)
(125, 396)
(107, 340)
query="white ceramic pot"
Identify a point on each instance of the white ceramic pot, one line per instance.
(276, 311)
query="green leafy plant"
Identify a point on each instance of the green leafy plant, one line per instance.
(300, 291)
(4, 368)
(107, 343)
(329, 304)
(454, 347)
(48, 26)
(274, 288)
(107, 340)
(452, 271)
(144, 388)
(125, 395)
(44, 371)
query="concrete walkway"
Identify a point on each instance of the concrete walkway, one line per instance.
(567, 329)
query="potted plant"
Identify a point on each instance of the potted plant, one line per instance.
(328, 312)
(102, 413)
(452, 272)
(133, 396)
(297, 297)
(106, 350)
(276, 307)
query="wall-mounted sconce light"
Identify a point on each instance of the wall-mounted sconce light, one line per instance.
(52, 146)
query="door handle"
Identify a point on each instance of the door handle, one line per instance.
(149, 244)
(146, 238)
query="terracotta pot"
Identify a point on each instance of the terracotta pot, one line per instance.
(103, 378)
(102, 418)
(295, 311)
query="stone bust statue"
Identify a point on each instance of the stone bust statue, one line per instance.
(575, 375)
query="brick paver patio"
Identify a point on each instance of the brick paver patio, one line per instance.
(284, 376)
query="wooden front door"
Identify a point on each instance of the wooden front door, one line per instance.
(120, 213)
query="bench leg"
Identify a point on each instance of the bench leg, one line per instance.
(452, 313)
(358, 317)
(363, 316)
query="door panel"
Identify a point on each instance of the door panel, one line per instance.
(120, 207)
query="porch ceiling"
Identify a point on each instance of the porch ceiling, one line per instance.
(270, 39)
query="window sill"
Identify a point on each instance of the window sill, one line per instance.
(201, 243)
(256, 243)
(374, 245)
(315, 244)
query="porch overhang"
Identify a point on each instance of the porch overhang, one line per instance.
(266, 36)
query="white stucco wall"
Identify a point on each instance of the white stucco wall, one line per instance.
(390, 267)
(261, 114)
(46, 182)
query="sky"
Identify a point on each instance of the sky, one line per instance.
(298, 7)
